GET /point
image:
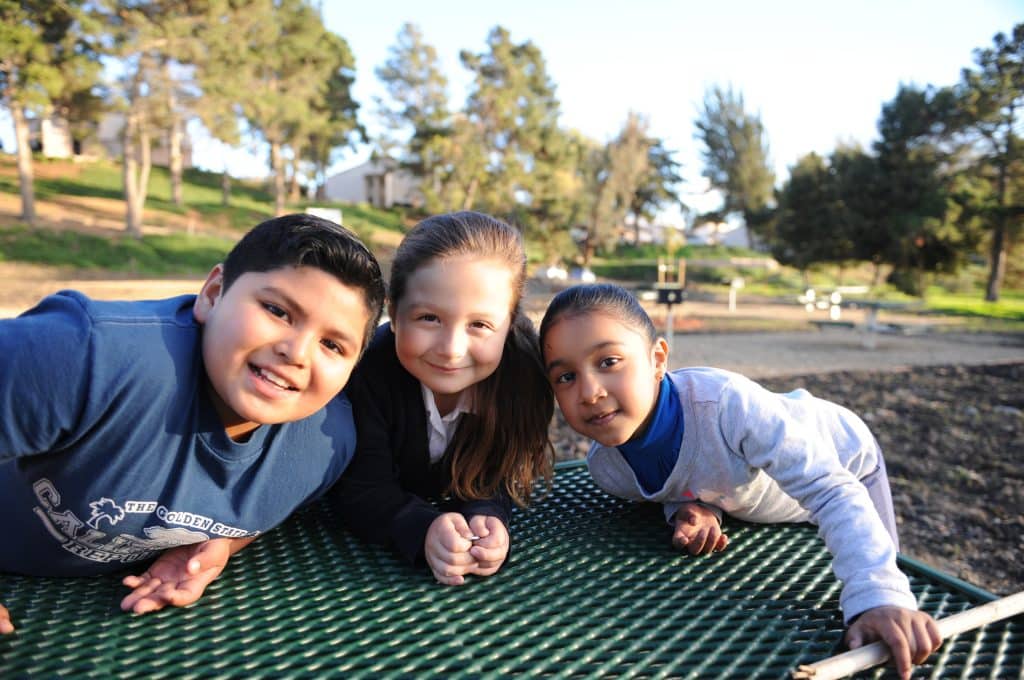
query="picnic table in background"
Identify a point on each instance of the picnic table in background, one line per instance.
(592, 589)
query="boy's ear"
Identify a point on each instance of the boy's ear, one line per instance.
(209, 294)
(659, 356)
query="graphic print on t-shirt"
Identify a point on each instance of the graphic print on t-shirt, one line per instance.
(87, 540)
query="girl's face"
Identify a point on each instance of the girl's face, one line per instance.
(451, 324)
(605, 375)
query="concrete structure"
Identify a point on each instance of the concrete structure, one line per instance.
(52, 137)
(380, 182)
(719, 233)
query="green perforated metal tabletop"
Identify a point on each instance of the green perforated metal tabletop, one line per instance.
(592, 589)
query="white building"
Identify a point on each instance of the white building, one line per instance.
(52, 137)
(719, 234)
(380, 182)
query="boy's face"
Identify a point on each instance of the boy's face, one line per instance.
(278, 345)
(605, 375)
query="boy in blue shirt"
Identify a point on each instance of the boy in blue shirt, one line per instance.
(182, 428)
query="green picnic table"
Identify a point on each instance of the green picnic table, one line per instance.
(592, 589)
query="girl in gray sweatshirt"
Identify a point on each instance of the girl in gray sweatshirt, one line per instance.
(703, 441)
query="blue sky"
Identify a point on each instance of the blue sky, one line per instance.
(817, 71)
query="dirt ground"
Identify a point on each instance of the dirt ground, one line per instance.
(947, 408)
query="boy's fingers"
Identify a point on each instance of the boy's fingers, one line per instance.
(5, 621)
(139, 592)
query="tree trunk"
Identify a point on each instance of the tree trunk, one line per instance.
(129, 171)
(997, 261)
(174, 138)
(225, 188)
(277, 167)
(876, 274)
(997, 256)
(26, 180)
(137, 165)
(467, 201)
(177, 160)
(146, 158)
(293, 182)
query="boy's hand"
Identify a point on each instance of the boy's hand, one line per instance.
(5, 621)
(446, 548)
(492, 548)
(698, 531)
(178, 577)
(910, 635)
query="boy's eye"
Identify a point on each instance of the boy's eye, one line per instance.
(332, 346)
(275, 310)
(608, 362)
(430, 318)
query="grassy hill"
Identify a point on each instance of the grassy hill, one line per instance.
(80, 212)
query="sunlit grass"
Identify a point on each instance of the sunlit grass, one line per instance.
(152, 255)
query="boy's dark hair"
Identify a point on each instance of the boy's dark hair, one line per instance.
(505, 445)
(302, 240)
(605, 298)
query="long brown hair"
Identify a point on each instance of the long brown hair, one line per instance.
(504, 445)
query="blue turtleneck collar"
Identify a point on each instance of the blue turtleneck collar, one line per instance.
(653, 454)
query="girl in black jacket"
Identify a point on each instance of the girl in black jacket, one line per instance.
(451, 402)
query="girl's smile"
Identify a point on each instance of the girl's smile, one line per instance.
(451, 324)
(605, 375)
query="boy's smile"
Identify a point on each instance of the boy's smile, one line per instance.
(278, 345)
(605, 375)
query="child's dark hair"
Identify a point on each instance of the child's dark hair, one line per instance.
(310, 241)
(605, 298)
(505, 444)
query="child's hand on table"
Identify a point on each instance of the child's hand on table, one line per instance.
(491, 549)
(698, 530)
(446, 549)
(5, 621)
(911, 636)
(180, 575)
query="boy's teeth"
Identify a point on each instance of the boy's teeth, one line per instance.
(270, 379)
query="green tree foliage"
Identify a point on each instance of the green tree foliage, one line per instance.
(658, 187)
(615, 174)
(45, 59)
(336, 115)
(512, 112)
(275, 68)
(416, 112)
(914, 225)
(812, 221)
(735, 154)
(990, 99)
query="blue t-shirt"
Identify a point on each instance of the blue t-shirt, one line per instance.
(111, 449)
(654, 453)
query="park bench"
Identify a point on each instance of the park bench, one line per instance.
(591, 589)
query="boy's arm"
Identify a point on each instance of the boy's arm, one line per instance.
(179, 576)
(45, 359)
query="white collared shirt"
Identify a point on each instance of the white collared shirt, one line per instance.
(441, 429)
